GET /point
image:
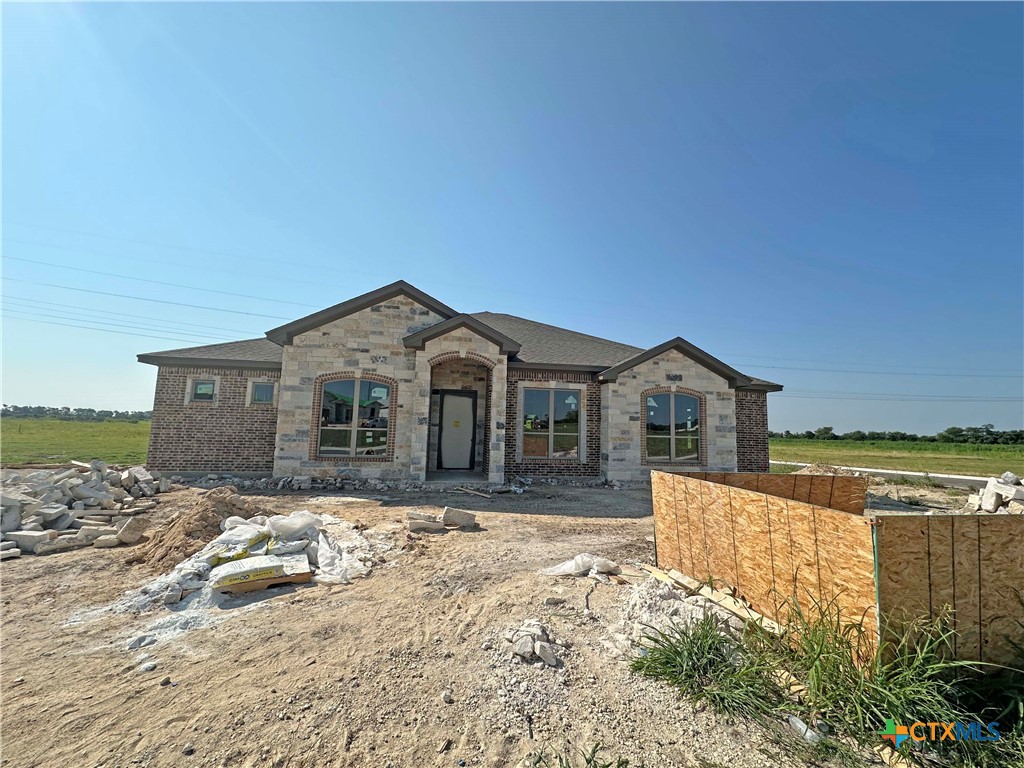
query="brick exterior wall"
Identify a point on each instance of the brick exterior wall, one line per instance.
(623, 421)
(226, 434)
(752, 431)
(571, 467)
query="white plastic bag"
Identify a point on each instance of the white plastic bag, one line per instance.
(293, 526)
(583, 563)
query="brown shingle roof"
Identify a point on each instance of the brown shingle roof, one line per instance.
(251, 353)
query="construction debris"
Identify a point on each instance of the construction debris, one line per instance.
(450, 519)
(51, 510)
(584, 564)
(532, 642)
(1002, 495)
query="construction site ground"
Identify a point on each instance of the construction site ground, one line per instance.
(406, 667)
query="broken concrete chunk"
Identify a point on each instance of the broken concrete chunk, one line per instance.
(426, 526)
(91, 533)
(141, 475)
(1008, 492)
(1009, 478)
(132, 530)
(60, 544)
(10, 519)
(106, 541)
(459, 517)
(27, 541)
(546, 652)
(523, 648)
(990, 499)
(415, 514)
(8, 554)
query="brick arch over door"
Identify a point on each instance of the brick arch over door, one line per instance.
(702, 457)
(318, 396)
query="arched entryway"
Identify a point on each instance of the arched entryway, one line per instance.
(459, 422)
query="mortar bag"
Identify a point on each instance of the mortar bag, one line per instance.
(250, 569)
(233, 544)
(278, 547)
(233, 522)
(293, 526)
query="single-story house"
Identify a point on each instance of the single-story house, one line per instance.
(395, 385)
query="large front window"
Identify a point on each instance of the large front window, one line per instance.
(354, 418)
(551, 423)
(673, 427)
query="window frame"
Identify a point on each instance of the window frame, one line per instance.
(262, 383)
(195, 382)
(672, 436)
(580, 391)
(315, 448)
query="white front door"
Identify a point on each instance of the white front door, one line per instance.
(458, 423)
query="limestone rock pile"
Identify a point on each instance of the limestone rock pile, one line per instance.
(48, 510)
(1003, 494)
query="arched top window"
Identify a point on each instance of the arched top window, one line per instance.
(354, 418)
(673, 427)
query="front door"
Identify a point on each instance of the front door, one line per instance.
(457, 439)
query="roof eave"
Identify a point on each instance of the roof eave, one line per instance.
(759, 386)
(284, 334)
(712, 363)
(205, 362)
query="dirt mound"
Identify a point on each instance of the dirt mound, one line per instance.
(824, 469)
(191, 530)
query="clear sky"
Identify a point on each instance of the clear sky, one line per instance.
(825, 195)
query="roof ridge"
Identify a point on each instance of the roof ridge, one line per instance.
(558, 328)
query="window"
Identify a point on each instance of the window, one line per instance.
(354, 418)
(673, 428)
(262, 392)
(202, 389)
(551, 423)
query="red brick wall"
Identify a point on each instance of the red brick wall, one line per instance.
(224, 435)
(554, 467)
(751, 431)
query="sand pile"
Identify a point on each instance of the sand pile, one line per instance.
(825, 469)
(193, 529)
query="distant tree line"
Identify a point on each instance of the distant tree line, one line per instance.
(983, 435)
(71, 414)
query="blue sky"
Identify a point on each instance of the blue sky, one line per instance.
(825, 195)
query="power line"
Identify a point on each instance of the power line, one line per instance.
(851, 362)
(156, 282)
(891, 394)
(102, 330)
(896, 373)
(34, 303)
(147, 299)
(198, 337)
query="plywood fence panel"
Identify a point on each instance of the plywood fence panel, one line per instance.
(846, 563)
(782, 551)
(721, 544)
(665, 526)
(840, 492)
(755, 571)
(967, 587)
(803, 535)
(685, 527)
(903, 591)
(701, 557)
(941, 574)
(1002, 567)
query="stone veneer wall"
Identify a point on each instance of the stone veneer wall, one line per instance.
(623, 425)
(464, 374)
(454, 345)
(752, 431)
(554, 467)
(368, 341)
(226, 434)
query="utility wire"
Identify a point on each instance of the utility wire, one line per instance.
(156, 282)
(896, 373)
(103, 330)
(202, 338)
(146, 299)
(106, 312)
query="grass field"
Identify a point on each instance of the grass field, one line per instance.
(50, 441)
(951, 458)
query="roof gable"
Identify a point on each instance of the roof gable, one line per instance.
(550, 346)
(713, 364)
(506, 345)
(285, 333)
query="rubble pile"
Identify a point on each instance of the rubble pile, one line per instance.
(345, 482)
(532, 643)
(87, 505)
(1002, 495)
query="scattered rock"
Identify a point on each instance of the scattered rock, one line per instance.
(149, 666)
(188, 749)
(166, 681)
(446, 696)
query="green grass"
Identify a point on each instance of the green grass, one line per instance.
(851, 684)
(51, 441)
(950, 458)
(582, 758)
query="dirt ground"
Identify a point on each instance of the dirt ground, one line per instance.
(356, 675)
